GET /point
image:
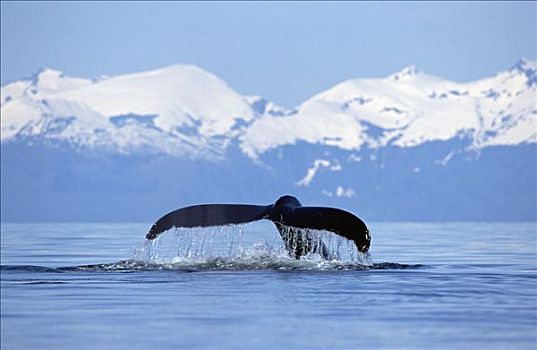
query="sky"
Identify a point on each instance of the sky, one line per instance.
(285, 51)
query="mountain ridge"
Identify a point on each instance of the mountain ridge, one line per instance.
(181, 109)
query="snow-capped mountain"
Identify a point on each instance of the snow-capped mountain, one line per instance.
(180, 110)
(407, 109)
(183, 110)
(409, 146)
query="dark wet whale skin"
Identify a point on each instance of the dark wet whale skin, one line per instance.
(292, 220)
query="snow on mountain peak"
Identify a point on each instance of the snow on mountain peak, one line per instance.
(49, 81)
(184, 110)
(178, 95)
(47, 73)
(524, 64)
(527, 68)
(406, 72)
(175, 109)
(407, 109)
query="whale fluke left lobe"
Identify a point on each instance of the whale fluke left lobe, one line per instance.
(208, 215)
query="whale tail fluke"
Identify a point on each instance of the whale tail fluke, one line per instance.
(287, 213)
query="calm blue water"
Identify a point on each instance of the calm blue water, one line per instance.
(424, 286)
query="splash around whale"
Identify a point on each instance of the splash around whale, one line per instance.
(293, 221)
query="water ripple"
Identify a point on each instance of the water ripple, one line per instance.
(213, 264)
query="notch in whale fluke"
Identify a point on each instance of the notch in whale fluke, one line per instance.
(286, 213)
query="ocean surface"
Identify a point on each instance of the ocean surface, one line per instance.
(423, 286)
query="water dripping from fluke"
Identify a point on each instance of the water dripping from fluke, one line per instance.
(241, 247)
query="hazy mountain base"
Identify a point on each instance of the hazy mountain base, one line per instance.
(428, 182)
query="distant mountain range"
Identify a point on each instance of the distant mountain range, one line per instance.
(406, 147)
